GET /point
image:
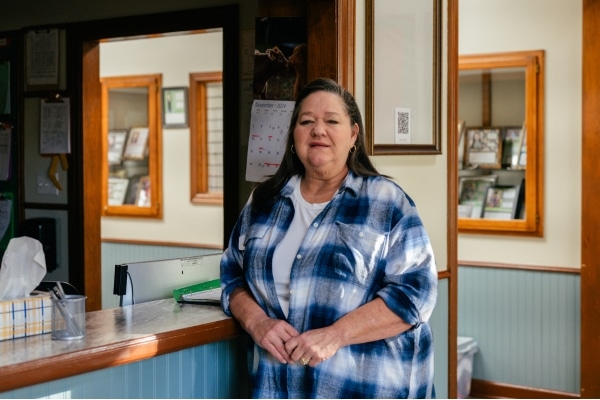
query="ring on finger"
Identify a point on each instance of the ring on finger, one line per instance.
(304, 361)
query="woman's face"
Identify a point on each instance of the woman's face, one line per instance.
(323, 135)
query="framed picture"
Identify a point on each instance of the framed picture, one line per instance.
(117, 189)
(143, 192)
(472, 192)
(137, 144)
(175, 107)
(116, 145)
(404, 42)
(132, 190)
(511, 146)
(461, 143)
(483, 147)
(501, 202)
(522, 163)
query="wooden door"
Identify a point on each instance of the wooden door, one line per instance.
(590, 193)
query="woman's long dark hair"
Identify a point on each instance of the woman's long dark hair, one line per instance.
(358, 161)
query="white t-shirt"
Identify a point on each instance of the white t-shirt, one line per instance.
(286, 250)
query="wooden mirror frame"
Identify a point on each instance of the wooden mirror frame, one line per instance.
(153, 154)
(433, 146)
(533, 63)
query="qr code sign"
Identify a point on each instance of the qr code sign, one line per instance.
(402, 126)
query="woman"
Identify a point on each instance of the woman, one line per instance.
(329, 268)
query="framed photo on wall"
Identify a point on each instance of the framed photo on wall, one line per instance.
(483, 147)
(175, 107)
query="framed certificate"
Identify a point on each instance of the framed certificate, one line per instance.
(175, 107)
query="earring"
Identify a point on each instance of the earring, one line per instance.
(292, 150)
(352, 149)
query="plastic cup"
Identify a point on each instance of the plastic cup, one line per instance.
(68, 317)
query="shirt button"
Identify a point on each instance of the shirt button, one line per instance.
(315, 225)
(291, 292)
(299, 256)
(361, 234)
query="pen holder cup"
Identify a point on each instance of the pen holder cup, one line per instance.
(68, 317)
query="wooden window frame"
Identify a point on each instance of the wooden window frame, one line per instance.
(199, 173)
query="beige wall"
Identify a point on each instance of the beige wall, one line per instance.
(554, 26)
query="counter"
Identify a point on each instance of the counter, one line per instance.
(114, 337)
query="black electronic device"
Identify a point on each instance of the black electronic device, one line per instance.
(44, 230)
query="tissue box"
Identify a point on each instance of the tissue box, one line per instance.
(26, 316)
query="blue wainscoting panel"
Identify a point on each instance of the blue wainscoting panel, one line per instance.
(439, 325)
(216, 371)
(526, 324)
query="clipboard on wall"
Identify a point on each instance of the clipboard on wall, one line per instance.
(42, 47)
(55, 126)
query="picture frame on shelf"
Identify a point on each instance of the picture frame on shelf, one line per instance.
(483, 148)
(461, 143)
(472, 192)
(511, 146)
(116, 145)
(132, 190)
(143, 198)
(137, 144)
(522, 163)
(117, 189)
(501, 202)
(175, 107)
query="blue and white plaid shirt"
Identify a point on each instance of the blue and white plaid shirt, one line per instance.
(368, 242)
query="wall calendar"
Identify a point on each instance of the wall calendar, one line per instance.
(269, 123)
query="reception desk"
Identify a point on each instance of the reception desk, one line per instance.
(122, 337)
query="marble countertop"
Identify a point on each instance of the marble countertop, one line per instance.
(113, 337)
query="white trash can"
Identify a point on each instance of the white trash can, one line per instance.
(467, 347)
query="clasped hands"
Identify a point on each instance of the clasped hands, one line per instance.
(288, 345)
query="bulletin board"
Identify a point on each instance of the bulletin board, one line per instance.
(9, 129)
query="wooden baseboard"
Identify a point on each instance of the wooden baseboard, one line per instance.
(481, 389)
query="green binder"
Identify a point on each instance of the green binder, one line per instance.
(181, 293)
